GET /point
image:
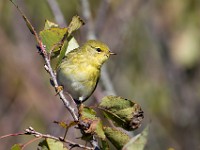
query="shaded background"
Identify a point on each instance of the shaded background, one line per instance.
(157, 64)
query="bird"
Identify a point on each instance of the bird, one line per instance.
(80, 69)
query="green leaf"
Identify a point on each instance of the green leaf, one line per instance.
(138, 142)
(99, 130)
(52, 37)
(124, 113)
(48, 24)
(105, 145)
(75, 24)
(116, 137)
(17, 147)
(51, 144)
(87, 113)
(58, 41)
(43, 144)
(88, 117)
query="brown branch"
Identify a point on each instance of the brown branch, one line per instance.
(31, 131)
(48, 67)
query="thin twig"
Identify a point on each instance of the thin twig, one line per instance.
(31, 131)
(8, 135)
(61, 94)
(48, 67)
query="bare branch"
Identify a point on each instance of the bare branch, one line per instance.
(31, 131)
(44, 54)
(61, 94)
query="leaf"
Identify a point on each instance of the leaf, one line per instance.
(93, 123)
(138, 142)
(105, 145)
(87, 113)
(72, 44)
(51, 144)
(52, 37)
(58, 41)
(65, 125)
(124, 113)
(75, 24)
(116, 137)
(48, 24)
(17, 147)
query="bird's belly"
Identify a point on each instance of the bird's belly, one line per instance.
(79, 84)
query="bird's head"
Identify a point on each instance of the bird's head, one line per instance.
(98, 51)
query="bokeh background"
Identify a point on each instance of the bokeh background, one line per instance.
(157, 64)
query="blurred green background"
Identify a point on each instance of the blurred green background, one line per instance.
(157, 64)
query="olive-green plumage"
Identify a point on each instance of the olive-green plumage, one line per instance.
(79, 71)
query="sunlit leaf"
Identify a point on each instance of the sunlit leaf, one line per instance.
(116, 137)
(124, 113)
(58, 41)
(72, 44)
(138, 142)
(52, 37)
(75, 24)
(48, 24)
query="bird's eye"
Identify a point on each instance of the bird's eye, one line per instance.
(98, 49)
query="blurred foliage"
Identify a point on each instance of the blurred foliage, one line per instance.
(157, 63)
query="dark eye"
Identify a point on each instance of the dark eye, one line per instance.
(98, 49)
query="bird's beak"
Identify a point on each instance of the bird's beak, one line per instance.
(111, 53)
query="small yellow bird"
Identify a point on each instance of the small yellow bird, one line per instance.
(79, 71)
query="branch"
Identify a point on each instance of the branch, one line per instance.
(31, 131)
(48, 67)
(53, 76)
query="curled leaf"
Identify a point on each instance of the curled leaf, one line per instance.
(48, 24)
(124, 113)
(92, 123)
(75, 24)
